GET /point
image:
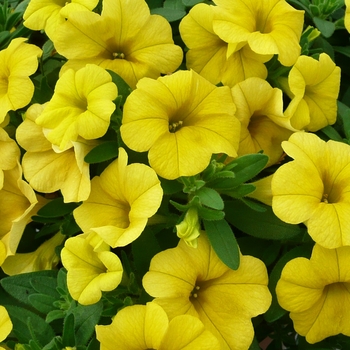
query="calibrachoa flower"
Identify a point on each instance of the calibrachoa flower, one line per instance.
(316, 292)
(315, 188)
(17, 205)
(347, 15)
(268, 26)
(9, 154)
(125, 38)
(182, 119)
(122, 199)
(189, 228)
(194, 281)
(142, 327)
(49, 14)
(5, 324)
(313, 85)
(211, 57)
(260, 111)
(43, 258)
(89, 272)
(48, 170)
(82, 105)
(17, 62)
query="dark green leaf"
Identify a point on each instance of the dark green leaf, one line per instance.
(57, 208)
(190, 3)
(332, 133)
(264, 225)
(223, 242)
(124, 89)
(344, 113)
(325, 27)
(105, 151)
(240, 191)
(54, 315)
(210, 214)
(210, 198)
(169, 14)
(171, 186)
(41, 302)
(68, 336)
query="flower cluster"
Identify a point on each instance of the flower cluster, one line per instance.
(174, 174)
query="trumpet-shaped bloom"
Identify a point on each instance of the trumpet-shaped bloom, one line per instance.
(18, 203)
(316, 292)
(182, 119)
(347, 15)
(89, 272)
(314, 188)
(260, 111)
(195, 282)
(49, 14)
(9, 154)
(122, 199)
(313, 87)
(81, 106)
(209, 55)
(43, 258)
(48, 170)
(268, 26)
(5, 324)
(17, 62)
(141, 327)
(125, 38)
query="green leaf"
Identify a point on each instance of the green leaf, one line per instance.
(325, 27)
(57, 208)
(223, 242)
(210, 214)
(124, 89)
(68, 335)
(171, 186)
(41, 302)
(276, 311)
(240, 191)
(190, 3)
(54, 315)
(20, 286)
(344, 113)
(210, 198)
(264, 225)
(332, 133)
(105, 151)
(27, 325)
(169, 14)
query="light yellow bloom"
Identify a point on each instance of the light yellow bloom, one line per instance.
(268, 26)
(314, 188)
(347, 15)
(89, 272)
(81, 106)
(260, 111)
(49, 14)
(5, 324)
(189, 228)
(17, 205)
(316, 292)
(210, 56)
(182, 119)
(17, 62)
(195, 282)
(48, 170)
(263, 192)
(43, 258)
(141, 327)
(122, 199)
(313, 85)
(125, 38)
(9, 154)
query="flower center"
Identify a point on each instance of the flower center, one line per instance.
(194, 293)
(325, 198)
(173, 127)
(118, 55)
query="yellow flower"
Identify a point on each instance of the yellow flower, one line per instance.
(209, 56)
(89, 272)
(189, 228)
(43, 258)
(268, 26)
(49, 14)
(48, 170)
(81, 106)
(347, 15)
(182, 119)
(316, 292)
(313, 87)
(315, 188)
(263, 191)
(125, 39)
(260, 111)
(122, 199)
(195, 282)
(9, 154)
(17, 204)
(141, 327)
(5, 324)
(17, 62)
